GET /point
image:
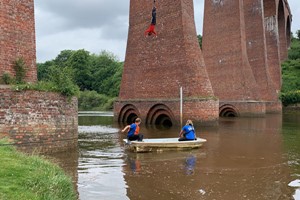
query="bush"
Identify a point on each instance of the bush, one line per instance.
(292, 97)
(7, 79)
(91, 100)
(20, 69)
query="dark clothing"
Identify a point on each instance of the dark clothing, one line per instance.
(153, 21)
(138, 137)
(185, 139)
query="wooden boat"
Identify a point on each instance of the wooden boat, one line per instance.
(161, 144)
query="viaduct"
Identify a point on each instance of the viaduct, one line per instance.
(236, 73)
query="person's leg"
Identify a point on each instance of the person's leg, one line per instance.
(148, 31)
(182, 139)
(134, 137)
(141, 137)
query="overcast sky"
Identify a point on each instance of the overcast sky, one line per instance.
(96, 25)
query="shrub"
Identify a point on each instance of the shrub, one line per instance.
(91, 100)
(292, 97)
(7, 79)
(20, 69)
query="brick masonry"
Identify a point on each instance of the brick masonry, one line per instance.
(155, 68)
(244, 42)
(17, 37)
(41, 121)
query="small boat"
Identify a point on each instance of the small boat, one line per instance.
(161, 144)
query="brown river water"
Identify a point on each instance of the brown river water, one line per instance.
(243, 158)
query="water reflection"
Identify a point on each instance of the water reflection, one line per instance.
(244, 158)
(190, 163)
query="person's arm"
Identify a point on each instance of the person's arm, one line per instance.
(126, 128)
(181, 132)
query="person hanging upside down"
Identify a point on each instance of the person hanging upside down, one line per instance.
(151, 30)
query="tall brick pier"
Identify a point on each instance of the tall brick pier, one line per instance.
(32, 119)
(156, 68)
(17, 37)
(244, 42)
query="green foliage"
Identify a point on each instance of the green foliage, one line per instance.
(90, 72)
(43, 70)
(31, 177)
(7, 79)
(20, 69)
(200, 40)
(91, 100)
(290, 75)
(79, 61)
(63, 58)
(292, 97)
(294, 51)
(107, 74)
(58, 80)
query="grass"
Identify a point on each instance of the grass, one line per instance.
(31, 177)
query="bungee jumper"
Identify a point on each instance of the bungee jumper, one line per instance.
(151, 30)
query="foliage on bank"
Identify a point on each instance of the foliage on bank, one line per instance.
(290, 93)
(31, 177)
(58, 80)
(97, 76)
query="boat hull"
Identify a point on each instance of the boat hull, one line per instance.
(163, 144)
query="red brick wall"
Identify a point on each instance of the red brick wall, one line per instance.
(199, 110)
(272, 41)
(225, 52)
(38, 120)
(257, 49)
(155, 68)
(242, 44)
(17, 36)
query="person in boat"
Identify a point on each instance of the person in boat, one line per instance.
(151, 30)
(187, 132)
(133, 131)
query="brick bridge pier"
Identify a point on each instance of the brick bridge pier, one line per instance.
(156, 68)
(244, 42)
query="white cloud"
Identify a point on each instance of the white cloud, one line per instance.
(96, 25)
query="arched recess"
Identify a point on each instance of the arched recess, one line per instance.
(228, 110)
(160, 114)
(288, 32)
(282, 31)
(128, 114)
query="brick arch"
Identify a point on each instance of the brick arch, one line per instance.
(228, 110)
(160, 114)
(282, 30)
(128, 114)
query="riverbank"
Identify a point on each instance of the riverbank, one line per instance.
(31, 177)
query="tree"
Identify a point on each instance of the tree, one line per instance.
(107, 73)
(80, 62)
(62, 59)
(200, 40)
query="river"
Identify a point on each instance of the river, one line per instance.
(244, 158)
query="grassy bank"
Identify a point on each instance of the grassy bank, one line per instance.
(31, 177)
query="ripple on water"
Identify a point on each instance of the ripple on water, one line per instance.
(97, 129)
